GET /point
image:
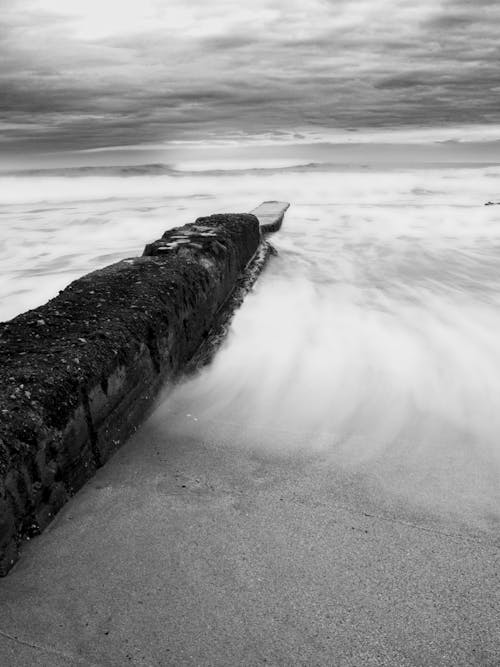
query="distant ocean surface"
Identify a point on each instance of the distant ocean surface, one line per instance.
(373, 336)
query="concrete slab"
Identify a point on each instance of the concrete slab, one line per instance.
(192, 547)
(270, 215)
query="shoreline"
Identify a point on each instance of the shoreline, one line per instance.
(80, 373)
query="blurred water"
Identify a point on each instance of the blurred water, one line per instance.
(373, 338)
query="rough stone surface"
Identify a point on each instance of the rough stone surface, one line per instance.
(78, 374)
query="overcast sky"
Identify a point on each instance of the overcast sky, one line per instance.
(79, 74)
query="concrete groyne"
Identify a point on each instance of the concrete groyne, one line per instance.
(80, 373)
(270, 215)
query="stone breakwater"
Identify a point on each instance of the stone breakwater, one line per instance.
(80, 373)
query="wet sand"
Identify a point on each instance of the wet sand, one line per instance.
(199, 552)
(326, 492)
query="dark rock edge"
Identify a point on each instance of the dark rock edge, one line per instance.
(80, 373)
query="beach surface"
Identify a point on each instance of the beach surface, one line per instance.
(200, 552)
(326, 491)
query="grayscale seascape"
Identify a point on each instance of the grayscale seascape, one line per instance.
(372, 336)
(249, 333)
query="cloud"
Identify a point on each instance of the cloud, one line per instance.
(94, 73)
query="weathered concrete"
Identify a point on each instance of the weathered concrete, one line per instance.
(270, 215)
(79, 374)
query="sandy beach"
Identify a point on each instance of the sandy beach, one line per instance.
(205, 550)
(328, 486)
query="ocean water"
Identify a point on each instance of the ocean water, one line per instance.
(371, 340)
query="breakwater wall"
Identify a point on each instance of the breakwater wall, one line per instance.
(79, 374)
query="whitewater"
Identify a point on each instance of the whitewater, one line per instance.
(371, 340)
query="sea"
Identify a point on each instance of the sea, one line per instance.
(372, 339)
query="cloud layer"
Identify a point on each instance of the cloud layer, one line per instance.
(91, 73)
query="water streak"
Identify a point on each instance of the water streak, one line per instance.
(371, 340)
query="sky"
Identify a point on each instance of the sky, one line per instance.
(83, 76)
